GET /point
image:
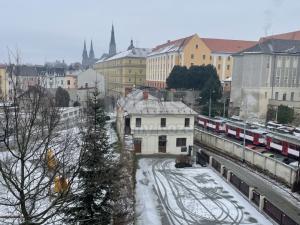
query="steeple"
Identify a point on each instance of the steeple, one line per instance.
(131, 46)
(112, 44)
(92, 54)
(84, 56)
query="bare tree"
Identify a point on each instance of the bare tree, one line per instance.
(38, 163)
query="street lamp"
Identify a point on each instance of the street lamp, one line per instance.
(244, 141)
(209, 108)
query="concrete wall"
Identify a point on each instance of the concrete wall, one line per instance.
(276, 168)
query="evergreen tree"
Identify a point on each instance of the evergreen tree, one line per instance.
(62, 97)
(92, 203)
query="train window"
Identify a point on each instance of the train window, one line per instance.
(248, 132)
(292, 146)
(276, 141)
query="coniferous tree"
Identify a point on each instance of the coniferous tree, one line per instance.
(92, 203)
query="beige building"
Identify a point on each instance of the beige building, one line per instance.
(4, 86)
(186, 51)
(123, 71)
(190, 51)
(221, 54)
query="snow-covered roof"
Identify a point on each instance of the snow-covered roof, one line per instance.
(132, 53)
(171, 46)
(134, 103)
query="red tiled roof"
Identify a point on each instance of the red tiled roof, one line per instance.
(2, 66)
(179, 42)
(227, 45)
(295, 35)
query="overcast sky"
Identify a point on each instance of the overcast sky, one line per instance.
(46, 30)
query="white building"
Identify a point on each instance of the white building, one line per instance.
(266, 75)
(156, 126)
(86, 84)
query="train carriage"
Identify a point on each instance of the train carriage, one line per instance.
(252, 134)
(285, 144)
(216, 125)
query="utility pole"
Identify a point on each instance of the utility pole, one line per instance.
(209, 107)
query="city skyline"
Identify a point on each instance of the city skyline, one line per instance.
(58, 33)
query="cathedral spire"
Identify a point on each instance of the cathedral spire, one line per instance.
(84, 56)
(112, 44)
(131, 46)
(92, 54)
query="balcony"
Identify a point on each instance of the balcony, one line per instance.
(292, 104)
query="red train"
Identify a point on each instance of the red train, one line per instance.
(287, 145)
(216, 125)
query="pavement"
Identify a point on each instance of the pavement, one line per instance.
(276, 193)
(166, 195)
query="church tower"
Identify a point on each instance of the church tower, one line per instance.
(92, 54)
(112, 44)
(85, 59)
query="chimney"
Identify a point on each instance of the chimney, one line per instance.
(145, 95)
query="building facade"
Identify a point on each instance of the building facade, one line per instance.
(87, 81)
(187, 52)
(267, 74)
(156, 126)
(4, 83)
(190, 51)
(123, 71)
(221, 54)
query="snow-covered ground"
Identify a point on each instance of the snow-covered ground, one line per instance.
(166, 195)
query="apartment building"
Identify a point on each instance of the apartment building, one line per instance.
(186, 51)
(123, 71)
(266, 75)
(221, 54)
(190, 51)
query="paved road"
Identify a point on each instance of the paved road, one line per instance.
(196, 196)
(276, 194)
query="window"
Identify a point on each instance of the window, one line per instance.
(197, 46)
(210, 57)
(187, 122)
(61, 82)
(203, 57)
(162, 122)
(220, 57)
(219, 66)
(68, 82)
(266, 94)
(180, 142)
(192, 56)
(276, 95)
(228, 67)
(192, 64)
(138, 122)
(228, 58)
(284, 97)
(292, 96)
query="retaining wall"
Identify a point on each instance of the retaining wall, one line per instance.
(278, 169)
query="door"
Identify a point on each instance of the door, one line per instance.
(137, 145)
(162, 143)
(127, 125)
